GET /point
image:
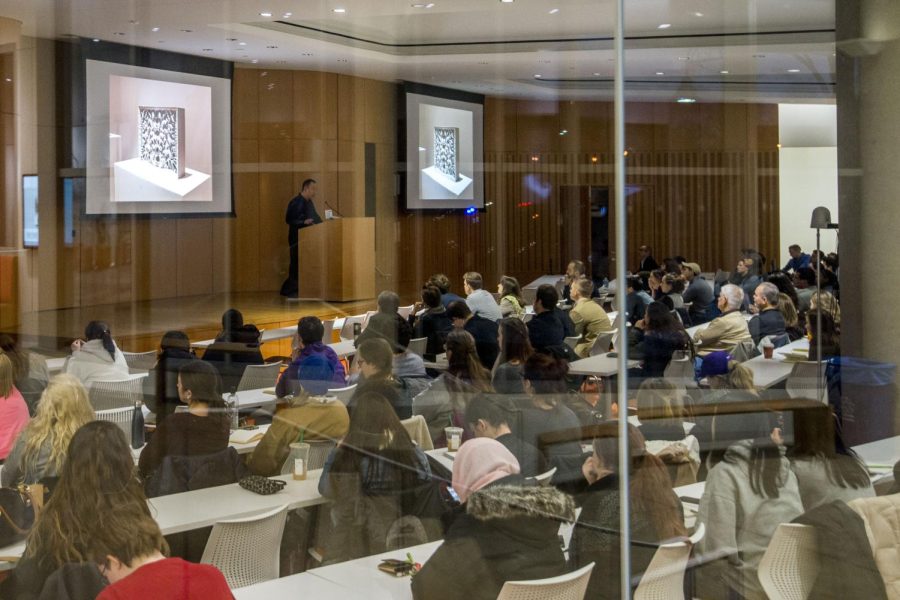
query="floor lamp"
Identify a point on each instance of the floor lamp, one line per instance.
(821, 219)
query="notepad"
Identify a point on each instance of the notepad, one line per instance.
(270, 391)
(245, 436)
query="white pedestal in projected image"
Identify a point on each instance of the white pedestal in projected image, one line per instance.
(136, 180)
(435, 176)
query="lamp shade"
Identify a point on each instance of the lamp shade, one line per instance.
(821, 218)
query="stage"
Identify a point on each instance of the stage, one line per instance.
(138, 326)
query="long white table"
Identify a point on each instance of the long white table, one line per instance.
(881, 455)
(301, 585)
(241, 448)
(602, 365)
(768, 372)
(270, 335)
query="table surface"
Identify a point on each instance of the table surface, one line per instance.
(772, 371)
(882, 455)
(301, 585)
(441, 456)
(602, 365)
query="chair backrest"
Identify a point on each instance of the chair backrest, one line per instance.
(572, 341)
(318, 452)
(602, 343)
(527, 317)
(664, 577)
(139, 362)
(681, 373)
(259, 376)
(789, 567)
(418, 345)
(544, 478)
(120, 416)
(105, 395)
(343, 394)
(744, 351)
(369, 314)
(328, 324)
(804, 380)
(247, 551)
(347, 329)
(571, 586)
(529, 294)
(405, 311)
(417, 428)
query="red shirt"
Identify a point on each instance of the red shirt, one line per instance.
(172, 579)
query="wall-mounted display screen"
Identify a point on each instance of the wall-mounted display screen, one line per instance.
(30, 231)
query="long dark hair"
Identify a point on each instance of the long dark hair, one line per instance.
(463, 362)
(830, 336)
(376, 433)
(817, 435)
(785, 286)
(765, 456)
(99, 330)
(509, 286)
(650, 491)
(547, 376)
(202, 379)
(516, 345)
(232, 323)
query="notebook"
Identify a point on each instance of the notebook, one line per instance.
(246, 436)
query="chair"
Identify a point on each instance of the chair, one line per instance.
(343, 394)
(417, 428)
(680, 371)
(664, 577)
(120, 416)
(804, 380)
(369, 314)
(247, 550)
(318, 452)
(788, 568)
(328, 324)
(744, 351)
(105, 395)
(418, 345)
(347, 330)
(571, 586)
(259, 376)
(528, 295)
(405, 311)
(527, 317)
(602, 343)
(544, 478)
(572, 341)
(139, 362)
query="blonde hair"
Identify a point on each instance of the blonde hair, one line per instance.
(64, 407)
(826, 303)
(788, 310)
(7, 375)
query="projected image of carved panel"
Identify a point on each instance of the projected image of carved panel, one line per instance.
(161, 137)
(446, 151)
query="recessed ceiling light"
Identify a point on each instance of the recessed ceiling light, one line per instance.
(553, 11)
(723, 72)
(422, 5)
(686, 100)
(155, 29)
(596, 74)
(280, 62)
(793, 70)
(265, 13)
(698, 14)
(663, 25)
(537, 75)
(96, 39)
(254, 61)
(340, 11)
(660, 73)
(242, 43)
(563, 131)
(287, 15)
(684, 58)
(506, 1)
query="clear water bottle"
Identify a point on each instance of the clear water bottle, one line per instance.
(231, 407)
(137, 426)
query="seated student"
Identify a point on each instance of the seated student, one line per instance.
(656, 513)
(30, 371)
(746, 276)
(514, 351)
(637, 299)
(791, 318)
(659, 398)
(480, 301)
(160, 385)
(442, 283)
(235, 347)
(831, 341)
(385, 322)
(482, 330)
(826, 469)
(827, 303)
(375, 361)
(320, 364)
(728, 329)
(317, 420)
(799, 259)
(547, 331)
(769, 320)
(407, 364)
(96, 358)
(373, 476)
(747, 495)
(202, 429)
(588, 317)
(654, 339)
(97, 479)
(672, 286)
(785, 285)
(698, 292)
(502, 532)
(13, 410)
(489, 417)
(804, 281)
(40, 450)
(511, 302)
(433, 324)
(575, 270)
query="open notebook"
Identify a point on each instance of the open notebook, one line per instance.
(246, 436)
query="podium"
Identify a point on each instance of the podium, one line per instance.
(336, 260)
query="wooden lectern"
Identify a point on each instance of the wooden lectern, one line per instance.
(336, 259)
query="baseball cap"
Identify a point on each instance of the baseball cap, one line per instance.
(715, 363)
(692, 266)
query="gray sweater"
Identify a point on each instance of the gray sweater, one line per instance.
(15, 471)
(740, 523)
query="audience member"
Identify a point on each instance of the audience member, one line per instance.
(828, 304)
(314, 367)
(791, 319)
(728, 329)
(747, 496)
(514, 351)
(799, 259)
(654, 339)
(511, 302)
(482, 330)
(490, 417)
(480, 301)
(432, 324)
(785, 286)
(831, 344)
(202, 429)
(30, 371)
(768, 322)
(744, 278)
(40, 449)
(637, 299)
(805, 284)
(647, 262)
(235, 347)
(575, 270)
(385, 323)
(407, 363)
(502, 531)
(588, 317)
(547, 331)
(375, 360)
(656, 513)
(160, 385)
(442, 283)
(98, 358)
(654, 284)
(373, 476)
(463, 363)
(699, 293)
(826, 469)
(672, 286)
(661, 410)
(13, 410)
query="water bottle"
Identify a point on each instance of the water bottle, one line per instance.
(357, 329)
(137, 426)
(232, 410)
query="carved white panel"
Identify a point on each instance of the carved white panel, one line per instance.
(446, 151)
(161, 137)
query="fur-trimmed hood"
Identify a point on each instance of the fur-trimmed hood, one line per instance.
(507, 501)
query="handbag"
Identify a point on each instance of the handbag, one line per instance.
(262, 485)
(19, 507)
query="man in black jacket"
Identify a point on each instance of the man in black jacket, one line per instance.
(550, 326)
(301, 212)
(769, 321)
(483, 330)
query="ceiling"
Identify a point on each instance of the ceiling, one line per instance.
(712, 50)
